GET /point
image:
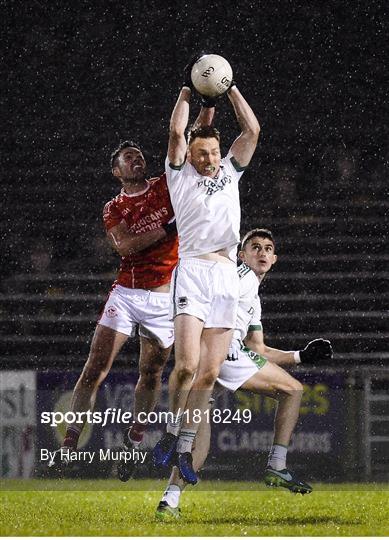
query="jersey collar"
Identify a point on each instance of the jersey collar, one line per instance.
(138, 193)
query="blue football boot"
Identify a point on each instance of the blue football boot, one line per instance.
(164, 450)
(185, 466)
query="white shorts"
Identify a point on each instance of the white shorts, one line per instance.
(245, 363)
(207, 290)
(126, 308)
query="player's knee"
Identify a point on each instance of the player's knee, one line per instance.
(185, 373)
(296, 387)
(89, 379)
(299, 386)
(293, 388)
(151, 376)
(207, 378)
(92, 375)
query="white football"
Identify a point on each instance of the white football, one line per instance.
(211, 75)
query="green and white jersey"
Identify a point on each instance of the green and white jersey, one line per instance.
(249, 307)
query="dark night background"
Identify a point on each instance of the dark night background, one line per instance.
(80, 77)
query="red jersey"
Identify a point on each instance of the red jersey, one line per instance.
(142, 212)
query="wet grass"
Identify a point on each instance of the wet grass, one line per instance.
(108, 508)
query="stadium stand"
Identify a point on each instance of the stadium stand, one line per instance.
(79, 81)
(331, 280)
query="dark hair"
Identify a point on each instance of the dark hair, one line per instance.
(122, 146)
(262, 233)
(203, 132)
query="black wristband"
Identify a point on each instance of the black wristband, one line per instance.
(208, 102)
(233, 83)
(170, 228)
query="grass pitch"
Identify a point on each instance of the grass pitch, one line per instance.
(108, 508)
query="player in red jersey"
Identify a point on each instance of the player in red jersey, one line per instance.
(140, 226)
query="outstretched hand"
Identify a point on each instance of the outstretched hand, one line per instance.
(318, 349)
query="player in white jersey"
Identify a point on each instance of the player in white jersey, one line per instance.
(251, 365)
(205, 198)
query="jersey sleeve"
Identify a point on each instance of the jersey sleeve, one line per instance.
(235, 169)
(111, 215)
(173, 171)
(256, 322)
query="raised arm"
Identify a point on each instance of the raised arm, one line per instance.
(244, 146)
(205, 117)
(178, 122)
(180, 116)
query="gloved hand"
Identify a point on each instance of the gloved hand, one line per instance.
(233, 350)
(170, 227)
(188, 69)
(318, 349)
(233, 83)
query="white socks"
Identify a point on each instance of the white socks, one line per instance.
(185, 440)
(172, 495)
(174, 426)
(277, 457)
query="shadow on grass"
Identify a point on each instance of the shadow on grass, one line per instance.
(311, 520)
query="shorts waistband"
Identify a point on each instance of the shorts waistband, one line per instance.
(193, 261)
(127, 291)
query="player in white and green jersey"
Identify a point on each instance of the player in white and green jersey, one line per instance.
(204, 193)
(253, 366)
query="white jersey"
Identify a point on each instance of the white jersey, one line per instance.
(207, 209)
(249, 307)
(242, 363)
